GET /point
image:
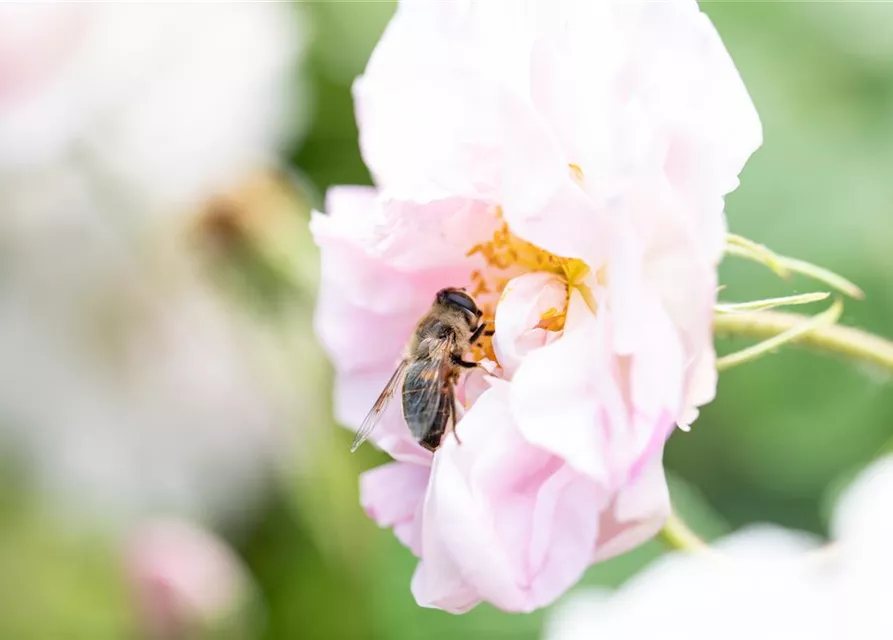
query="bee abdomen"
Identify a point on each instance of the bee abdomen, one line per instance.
(425, 405)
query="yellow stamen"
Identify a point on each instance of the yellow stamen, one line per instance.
(508, 256)
(552, 320)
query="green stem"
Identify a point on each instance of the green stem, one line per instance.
(677, 536)
(848, 342)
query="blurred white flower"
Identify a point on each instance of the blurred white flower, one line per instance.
(157, 103)
(149, 396)
(125, 383)
(765, 582)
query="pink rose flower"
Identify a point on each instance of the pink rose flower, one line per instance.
(566, 163)
(186, 580)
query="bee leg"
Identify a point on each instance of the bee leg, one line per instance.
(463, 363)
(489, 333)
(477, 333)
(453, 411)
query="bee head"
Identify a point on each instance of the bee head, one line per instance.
(457, 299)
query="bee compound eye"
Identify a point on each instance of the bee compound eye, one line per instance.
(462, 300)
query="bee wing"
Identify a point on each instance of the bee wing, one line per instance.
(424, 389)
(378, 408)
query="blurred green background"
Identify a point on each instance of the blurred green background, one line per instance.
(783, 435)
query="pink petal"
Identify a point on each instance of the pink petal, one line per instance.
(521, 307)
(344, 329)
(540, 199)
(566, 400)
(435, 235)
(419, 113)
(711, 124)
(502, 521)
(637, 512)
(600, 412)
(701, 378)
(350, 211)
(656, 369)
(392, 494)
(627, 286)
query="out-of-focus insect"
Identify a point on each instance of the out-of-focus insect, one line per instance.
(430, 368)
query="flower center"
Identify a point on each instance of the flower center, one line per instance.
(507, 256)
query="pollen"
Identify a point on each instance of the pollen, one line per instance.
(507, 252)
(507, 256)
(552, 319)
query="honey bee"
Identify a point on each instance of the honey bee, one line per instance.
(430, 368)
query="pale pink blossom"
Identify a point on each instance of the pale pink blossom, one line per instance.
(185, 580)
(566, 163)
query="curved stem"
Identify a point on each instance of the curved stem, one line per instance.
(849, 342)
(677, 536)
